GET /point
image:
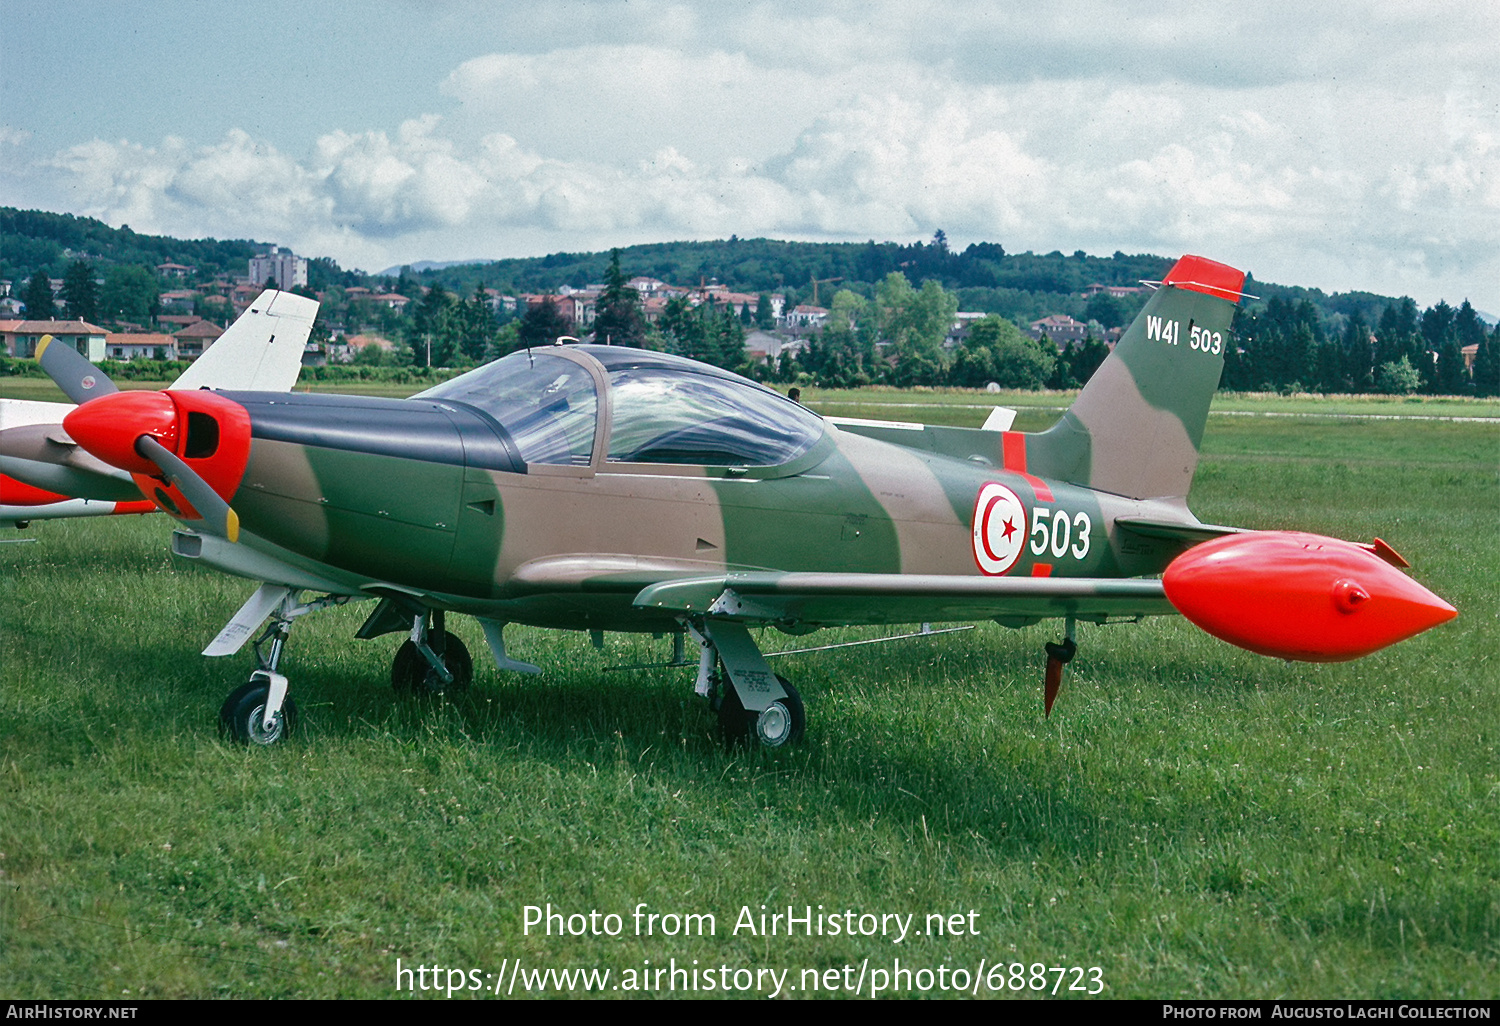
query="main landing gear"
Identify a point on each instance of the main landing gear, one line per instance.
(751, 702)
(431, 661)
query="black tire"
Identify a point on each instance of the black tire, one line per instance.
(241, 716)
(785, 719)
(413, 675)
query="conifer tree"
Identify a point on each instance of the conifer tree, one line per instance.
(1358, 355)
(617, 314)
(79, 292)
(543, 324)
(40, 305)
(1487, 365)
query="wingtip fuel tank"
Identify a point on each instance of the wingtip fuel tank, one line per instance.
(1300, 596)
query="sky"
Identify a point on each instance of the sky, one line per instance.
(1343, 145)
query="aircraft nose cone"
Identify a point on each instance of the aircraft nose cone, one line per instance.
(107, 427)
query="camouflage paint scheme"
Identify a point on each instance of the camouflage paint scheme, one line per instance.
(873, 524)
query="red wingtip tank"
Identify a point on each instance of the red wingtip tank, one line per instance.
(1301, 596)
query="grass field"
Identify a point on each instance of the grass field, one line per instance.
(1193, 820)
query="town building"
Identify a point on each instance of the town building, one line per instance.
(281, 266)
(139, 345)
(958, 331)
(1118, 291)
(20, 337)
(805, 317)
(1061, 329)
(179, 299)
(764, 347)
(195, 338)
(646, 286)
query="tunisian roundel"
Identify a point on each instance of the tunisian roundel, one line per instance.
(999, 528)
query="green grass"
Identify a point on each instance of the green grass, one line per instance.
(1195, 820)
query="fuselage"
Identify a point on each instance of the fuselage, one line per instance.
(436, 494)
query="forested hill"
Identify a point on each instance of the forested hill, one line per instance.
(1021, 286)
(34, 240)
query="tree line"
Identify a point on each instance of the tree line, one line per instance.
(887, 321)
(1286, 346)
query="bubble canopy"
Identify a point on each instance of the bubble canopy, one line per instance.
(661, 409)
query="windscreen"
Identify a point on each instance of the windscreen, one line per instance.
(547, 403)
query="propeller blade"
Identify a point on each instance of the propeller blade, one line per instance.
(44, 456)
(218, 518)
(71, 481)
(71, 371)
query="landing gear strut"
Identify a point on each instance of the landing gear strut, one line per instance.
(431, 661)
(750, 701)
(778, 724)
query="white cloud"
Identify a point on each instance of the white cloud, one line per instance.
(615, 103)
(1350, 149)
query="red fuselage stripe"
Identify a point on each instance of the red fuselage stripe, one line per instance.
(1014, 449)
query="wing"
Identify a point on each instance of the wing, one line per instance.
(833, 599)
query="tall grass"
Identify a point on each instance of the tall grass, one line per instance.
(1193, 819)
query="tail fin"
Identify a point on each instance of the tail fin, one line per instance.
(1135, 428)
(261, 351)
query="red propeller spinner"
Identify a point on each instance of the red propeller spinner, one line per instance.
(207, 433)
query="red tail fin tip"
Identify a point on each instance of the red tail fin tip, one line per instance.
(1207, 276)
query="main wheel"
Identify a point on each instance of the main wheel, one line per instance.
(779, 724)
(242, 717)
(412, 674)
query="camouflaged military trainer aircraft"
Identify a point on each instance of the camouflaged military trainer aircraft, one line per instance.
(609, 489)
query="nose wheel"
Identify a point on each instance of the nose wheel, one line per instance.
(243, 715)
(260, 712)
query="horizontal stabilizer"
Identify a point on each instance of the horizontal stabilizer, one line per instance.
(1172, 530)
(984, 446)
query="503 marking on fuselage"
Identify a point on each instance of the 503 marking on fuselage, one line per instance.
(1000, 532)
(1164, 329)
(1066, 533)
